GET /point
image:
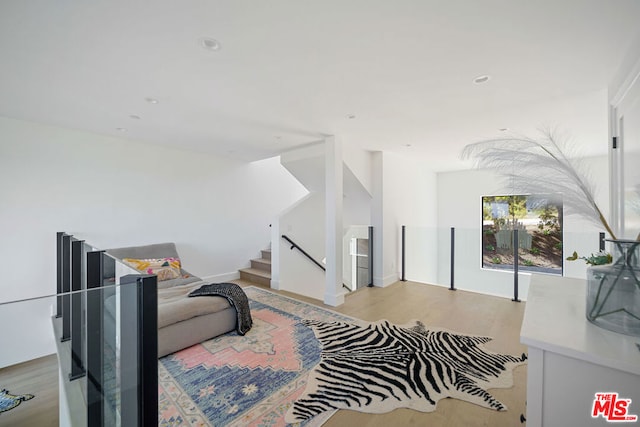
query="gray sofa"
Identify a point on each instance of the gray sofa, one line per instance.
(182, 321)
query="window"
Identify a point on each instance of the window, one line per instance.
(538, 219)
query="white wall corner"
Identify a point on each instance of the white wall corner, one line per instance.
(377, 217)
(334, 300)
(383, 282)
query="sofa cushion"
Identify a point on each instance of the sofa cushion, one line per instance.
(156, 250)
(175, 306)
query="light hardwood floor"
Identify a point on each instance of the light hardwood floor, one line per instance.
(400, 303)
(40, 378)
(459, 311)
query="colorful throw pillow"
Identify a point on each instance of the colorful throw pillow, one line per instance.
(164, 268)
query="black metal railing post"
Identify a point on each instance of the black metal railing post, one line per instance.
(66, 287)
(77, 362)
(59, 235)
(515, 265)
(601, 242)
(95, 342)
(148, 345)
(452, 286)
(404, 279)
(370, 255)
(139, 350)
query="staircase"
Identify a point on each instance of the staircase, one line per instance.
(260, 270)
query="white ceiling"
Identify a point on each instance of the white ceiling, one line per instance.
(291, 71)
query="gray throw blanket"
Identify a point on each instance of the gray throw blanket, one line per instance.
(236, 297)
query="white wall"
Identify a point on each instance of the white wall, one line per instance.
(460, 206)
(304, 224)
(115, 192)
(356, 204)
(305, 221)
(404, 193)
(359, 161)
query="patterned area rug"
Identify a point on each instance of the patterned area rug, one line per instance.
(249, 380)
(9, 401)
(299, 363)
(381, 367)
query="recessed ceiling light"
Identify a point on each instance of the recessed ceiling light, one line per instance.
(407, 145)
(121, 129)
(503, 129)
(351, 116)
(135, 117)
(210, 44)
(481, 79)
(152, 100)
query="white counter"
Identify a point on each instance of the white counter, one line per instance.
(571, 359)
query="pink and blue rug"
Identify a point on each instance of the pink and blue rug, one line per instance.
(9, 401)
(249, 380)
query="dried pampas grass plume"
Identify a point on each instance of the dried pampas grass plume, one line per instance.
(539, 166)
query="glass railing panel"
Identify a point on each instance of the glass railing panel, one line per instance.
(428, 259)
(103, 331)
(356, 259)
(26, 331)
(29, 377)
(92, 377)
(423, 250)
(106, 393)
(470, 274)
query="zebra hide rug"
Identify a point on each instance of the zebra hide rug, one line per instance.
(381, 367)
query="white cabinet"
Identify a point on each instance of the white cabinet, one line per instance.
(570, 360)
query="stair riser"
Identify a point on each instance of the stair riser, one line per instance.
(255, 278)
(261, 265)
(266, 254)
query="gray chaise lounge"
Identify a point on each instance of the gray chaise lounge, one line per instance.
(182, 321)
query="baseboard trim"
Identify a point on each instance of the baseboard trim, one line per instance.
(225, 277)
(383, 282)
(275, 284)
(334, 300)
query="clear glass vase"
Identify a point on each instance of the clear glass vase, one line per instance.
(613, 290)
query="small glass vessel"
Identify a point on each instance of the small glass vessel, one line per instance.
(613, 290)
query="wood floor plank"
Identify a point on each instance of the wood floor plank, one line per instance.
(40, 378)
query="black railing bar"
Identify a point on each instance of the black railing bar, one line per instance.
(452, 260)
(516, 246)
(295, 245)
(370, 259)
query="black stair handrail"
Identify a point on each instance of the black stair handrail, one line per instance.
(295, 245)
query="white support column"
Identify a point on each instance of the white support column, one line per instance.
(377, 219)
(275, 254)
(333, 221)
